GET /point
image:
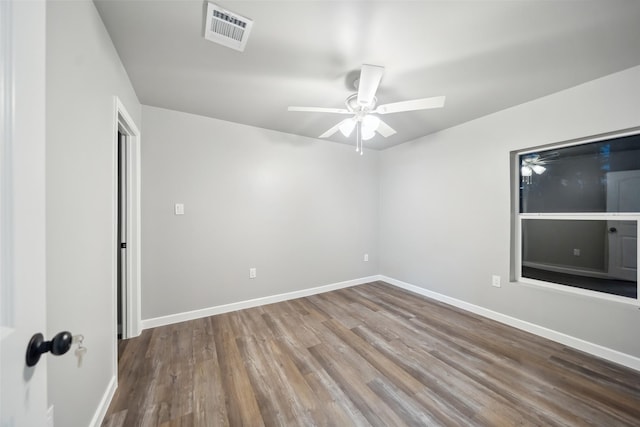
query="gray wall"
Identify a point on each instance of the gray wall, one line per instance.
(445, 208)
(83, 75)
(302, 211)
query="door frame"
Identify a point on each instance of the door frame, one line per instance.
(123, 122)
(6, 178)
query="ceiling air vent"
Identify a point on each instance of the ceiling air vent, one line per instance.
(227, 28)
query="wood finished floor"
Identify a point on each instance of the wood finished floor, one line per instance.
(367, 355)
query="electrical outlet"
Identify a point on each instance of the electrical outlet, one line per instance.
(495, 281)
(366, 257)
(252, 273)
(576, 252)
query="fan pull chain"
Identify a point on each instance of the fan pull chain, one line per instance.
(360, 138)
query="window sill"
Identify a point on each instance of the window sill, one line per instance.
(576, 291)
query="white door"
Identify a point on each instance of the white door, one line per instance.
(623, 195)
(23, 398)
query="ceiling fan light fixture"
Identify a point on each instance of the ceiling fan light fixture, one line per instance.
(347, 126)
(370, 123)
(525, 171)
(367, 134)
(538, 169)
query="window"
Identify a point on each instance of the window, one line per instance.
(576, 216)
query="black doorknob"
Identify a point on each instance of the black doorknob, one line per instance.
(613, 230)
(37, 346)
(61, 343)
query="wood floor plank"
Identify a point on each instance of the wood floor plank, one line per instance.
(393, 372)
(374, 319)
(454, 391)
(367, 355)
(340, 410)
(203, 347)
(295, 384)
(290, 325)
(372, 408)
(408, 409)
(115, 419)
(298, 355)
(334, 311)
(209, 397)
(266, 383)
(242, 408)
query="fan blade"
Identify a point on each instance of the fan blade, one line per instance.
(370, 77)
(414, 104)
(331, 131)
(320, 110)
(385, 130)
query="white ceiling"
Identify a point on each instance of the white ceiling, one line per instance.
(483, 55)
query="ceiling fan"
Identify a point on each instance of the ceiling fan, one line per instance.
(362, 108)
(531, 163)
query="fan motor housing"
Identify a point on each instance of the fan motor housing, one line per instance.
(352, 104)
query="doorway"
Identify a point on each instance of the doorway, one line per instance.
(126, 225)
(121, 244)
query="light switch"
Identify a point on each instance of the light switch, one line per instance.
(179, 209)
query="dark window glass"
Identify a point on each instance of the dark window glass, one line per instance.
(600, 176)
(598, 255)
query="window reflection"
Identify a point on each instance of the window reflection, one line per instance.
(598, 255)
(582, 178)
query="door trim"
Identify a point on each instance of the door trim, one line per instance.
(6, 175)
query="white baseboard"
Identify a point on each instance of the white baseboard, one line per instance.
(226, 308)
(577, 343)
(101, 411)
